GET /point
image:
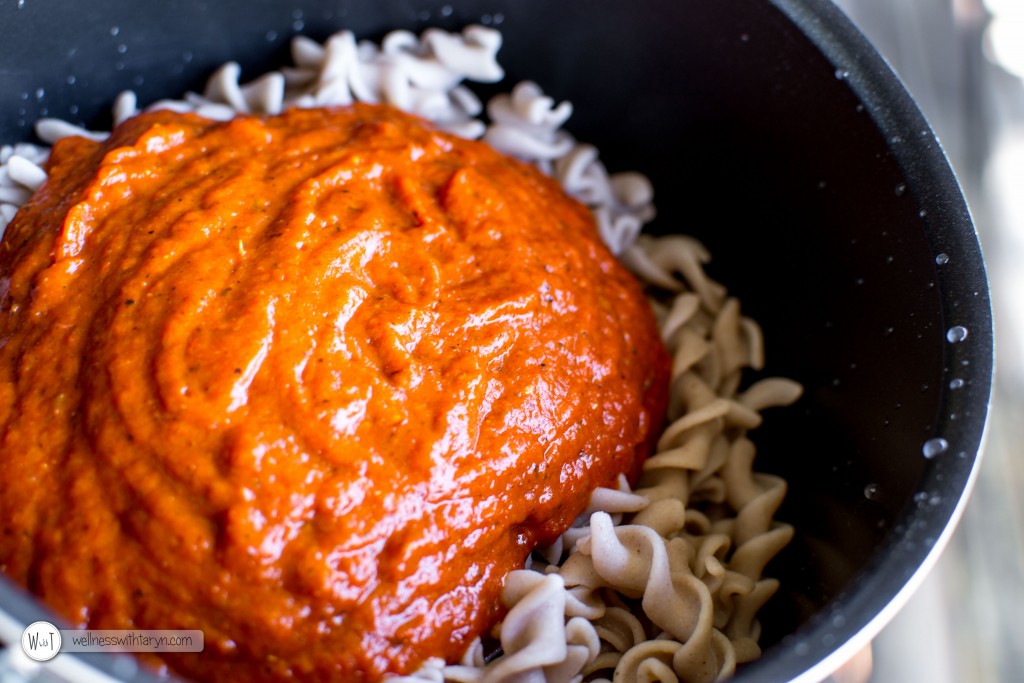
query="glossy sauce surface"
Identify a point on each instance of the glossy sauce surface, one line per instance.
(310, 383)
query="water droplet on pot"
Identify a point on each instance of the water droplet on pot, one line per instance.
(842, 74)
(933, 447)
(957, 333)
(920, 497)
(801, 649)
(934, 500)
(859, 108)
(956, 383)
(744, 37)
(872, 491)
(901, 189)
(922, 213)
(889, 330)
(838, 621)
(942, 259)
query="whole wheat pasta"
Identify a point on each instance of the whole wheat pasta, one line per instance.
(671, 592)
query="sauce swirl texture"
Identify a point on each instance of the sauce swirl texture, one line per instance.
(310, 383)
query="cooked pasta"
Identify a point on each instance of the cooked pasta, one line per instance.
(661, 583)
(669, 576)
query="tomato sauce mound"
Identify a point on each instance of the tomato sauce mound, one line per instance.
(311, 383)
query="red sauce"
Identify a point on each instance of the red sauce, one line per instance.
(310, 383)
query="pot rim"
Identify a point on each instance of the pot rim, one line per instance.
(902, 562)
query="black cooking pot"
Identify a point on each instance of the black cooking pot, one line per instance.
(774, 133)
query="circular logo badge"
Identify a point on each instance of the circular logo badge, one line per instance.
(41, 641)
